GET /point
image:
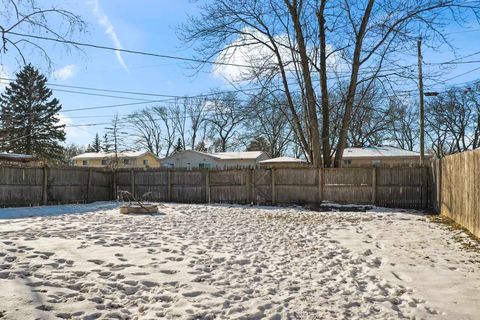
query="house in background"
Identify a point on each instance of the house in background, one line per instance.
(380, 156)
(19, 159)
(190, 159)
(283, 162)
(129, 159)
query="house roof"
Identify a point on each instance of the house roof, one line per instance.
(246, 155)
(283, 160)
(190, 151)
(378, 152)
(103, 155)
(16, 157)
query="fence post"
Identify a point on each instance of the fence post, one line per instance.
(45, 186)
(89, 183)
(169, 185)
(374, 185)
(207, 186)
(440, 185)
(132, 182)
(274, 191)
(248, 185)
(320, 187)
(114, 184)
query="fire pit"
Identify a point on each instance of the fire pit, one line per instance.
(144, 208)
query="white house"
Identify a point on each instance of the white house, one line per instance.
(380, 156)
(189, 159)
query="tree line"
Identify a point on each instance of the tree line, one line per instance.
(237, 122)
(328, 75)
(232, 121)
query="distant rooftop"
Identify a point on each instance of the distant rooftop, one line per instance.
(16, 156)
(376, 152)
(102, 155)
(238, 155)
(283, 160)
(246, 155)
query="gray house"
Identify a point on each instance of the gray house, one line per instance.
(190, 159)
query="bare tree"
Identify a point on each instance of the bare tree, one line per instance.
(117, 136)
(294, 42)
(266, 122)
(165, 119)
(179, 115)
(402, 124)
(197, 119)
(225, 120)
(27, 16)
(453, 120)
(147, 131)
(368, 124)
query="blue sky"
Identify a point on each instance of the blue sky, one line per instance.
(150, 26)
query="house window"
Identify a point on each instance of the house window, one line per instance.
(145, 162)
(376, 162)
(85, 162)
(126, 161)
(104, 162)
(204, 165)
(189, 166)
(347, 162)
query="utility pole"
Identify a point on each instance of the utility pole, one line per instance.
(422, 104)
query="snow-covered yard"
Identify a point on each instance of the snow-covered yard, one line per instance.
(229, 262)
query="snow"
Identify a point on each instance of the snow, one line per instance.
(102, 155)
(42, 211)
(373, 152)
(238, 155)
(235, 262)
(282, 160)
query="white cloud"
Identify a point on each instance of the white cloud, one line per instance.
(65, 73)
(78, 135)
(104, 21)
(247, 51)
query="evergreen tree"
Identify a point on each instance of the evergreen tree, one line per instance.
(106, 146)
(96, 145)
(201, 146)
(179, 146)
(29, 117)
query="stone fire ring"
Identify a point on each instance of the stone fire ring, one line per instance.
(137, 209)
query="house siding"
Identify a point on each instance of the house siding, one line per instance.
(378, 161)
(137, 162)
(189, 159)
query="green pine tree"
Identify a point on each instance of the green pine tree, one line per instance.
(30, 117)
(178, 147)
(96, 145)
(106, 146)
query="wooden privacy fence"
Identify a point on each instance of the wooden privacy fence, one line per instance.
(33, 186)
(396, 187)
(457, 188)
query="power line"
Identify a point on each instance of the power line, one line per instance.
(165, 56)
(157, 55)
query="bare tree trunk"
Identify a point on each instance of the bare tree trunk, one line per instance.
(295, 10)
(342, 140)
(324, 86)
